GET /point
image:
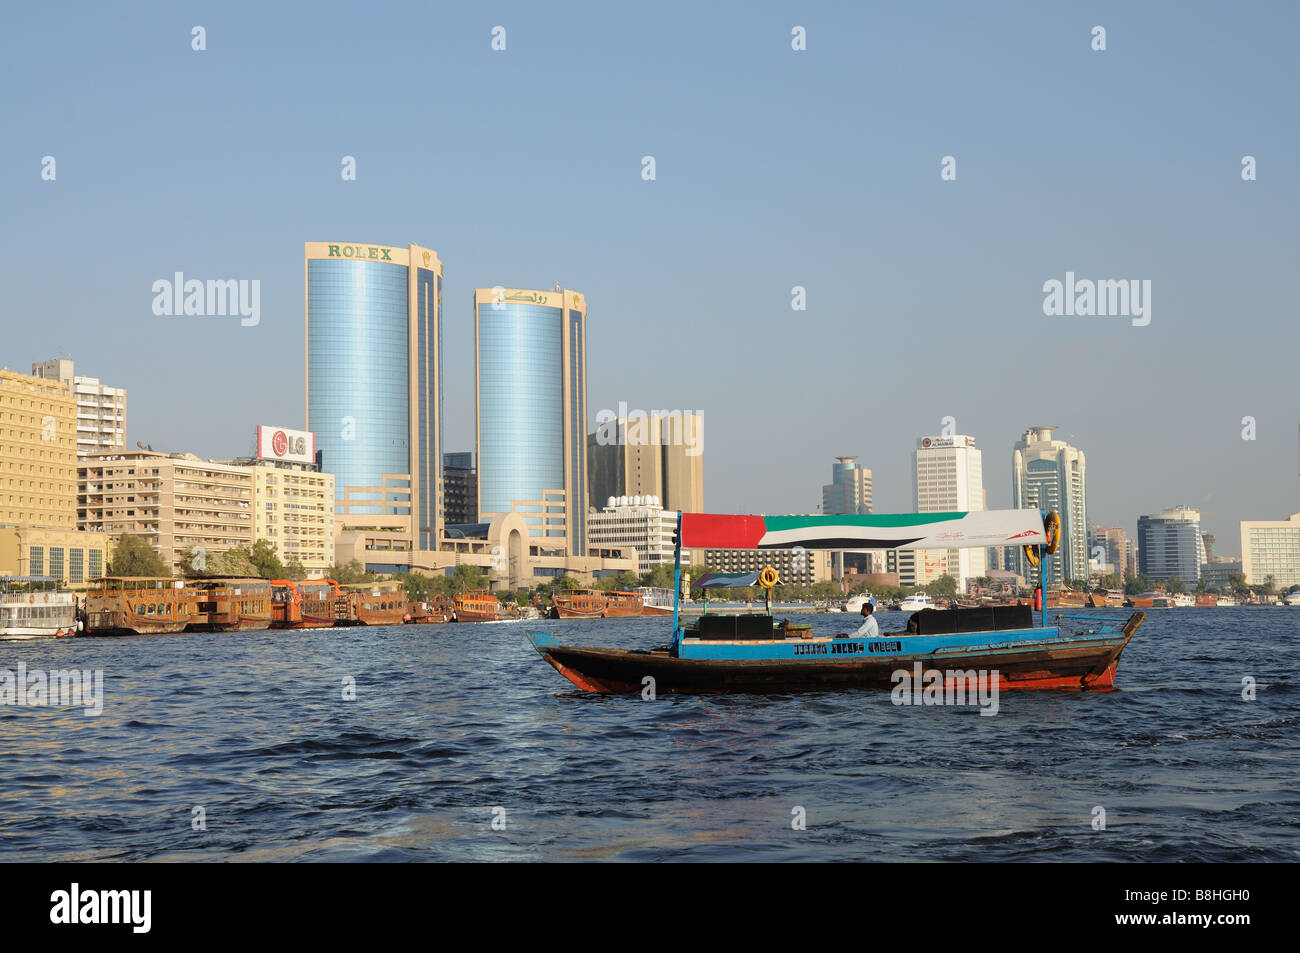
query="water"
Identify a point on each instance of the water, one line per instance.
(451, 722)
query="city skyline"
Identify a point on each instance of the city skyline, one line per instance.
(860, 221)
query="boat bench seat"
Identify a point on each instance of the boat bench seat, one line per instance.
(954, 621)
(735, 627)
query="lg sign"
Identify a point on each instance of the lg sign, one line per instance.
(277, 443)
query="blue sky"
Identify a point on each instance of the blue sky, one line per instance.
(775, 168)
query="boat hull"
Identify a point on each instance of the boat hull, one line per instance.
(1061, 662)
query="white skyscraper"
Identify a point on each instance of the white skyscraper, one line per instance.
(101, 410)
(1050, 474)
(948, 477)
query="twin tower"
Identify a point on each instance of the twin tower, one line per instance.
(375, 397)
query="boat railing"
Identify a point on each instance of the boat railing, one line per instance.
(1112, 624)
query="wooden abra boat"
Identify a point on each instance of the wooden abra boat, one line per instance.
(231, 605)
(754, 652)
(476, 605)
(376, 603)
(437, 609)
(303, 605)
(595, 604)
(139, 605)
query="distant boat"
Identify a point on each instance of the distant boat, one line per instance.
(655, 601)
(914, 603)
(476, 606)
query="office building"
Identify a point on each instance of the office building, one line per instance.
(948, 477)
(374, 386)
(459, 489)
(1115, 549)
(101, 410)
(640, 523)
(38, 484)
(1271, 548)
(651, 454)
(1170, 545)
(530, 375)
(1050, 474)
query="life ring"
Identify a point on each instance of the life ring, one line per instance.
(1031, 554)
(31, 598)
(47, 597)
(1052, 527)
(768, 578)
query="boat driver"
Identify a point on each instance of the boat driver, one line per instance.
(869, 629)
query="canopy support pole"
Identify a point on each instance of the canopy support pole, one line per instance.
(677, 579)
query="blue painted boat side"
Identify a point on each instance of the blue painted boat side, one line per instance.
(885, 646)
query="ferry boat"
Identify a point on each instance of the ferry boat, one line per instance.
(437, 609)
(655, 601)
(1150, 600)
(755, 652)
(32, 607)
(302, 605)
(476, 605)
(376, 603)
(139, 605)
(1066, 599)
(231, 604)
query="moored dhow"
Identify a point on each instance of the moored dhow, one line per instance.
(476, 605)
(595, 604)
(376, 603)
(302, 605)
(139, 605)
(756, 653)
(231, 604)
(434, 610)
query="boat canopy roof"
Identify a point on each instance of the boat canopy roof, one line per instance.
(711, 580)
(869, 531)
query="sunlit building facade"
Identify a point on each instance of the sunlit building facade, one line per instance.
(374, 381)
(530, 385)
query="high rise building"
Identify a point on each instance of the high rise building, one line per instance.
(849, 491)
(1271, 548)
(948, 477)
(101, 410)
(38, 484)
(683, 462)
(374, 385)
(459, 489)
(653, 454)
(1116, 549)
(1170, 545)
(1051, 475)
(530, 373)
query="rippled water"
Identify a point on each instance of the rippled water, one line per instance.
(451, 722)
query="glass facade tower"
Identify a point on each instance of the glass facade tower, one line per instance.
(531, 397)
(374, 376)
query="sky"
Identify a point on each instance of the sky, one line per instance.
(774, 168)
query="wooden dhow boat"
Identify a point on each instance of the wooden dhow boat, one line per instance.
(139, 605)
(307, 604)
(595, 604)
(757, 653)
(475, 605)
(231, 604)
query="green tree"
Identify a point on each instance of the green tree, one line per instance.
(945, 586)
(264, 558)
(349, 573)
(133, 556)
(1175, 586)
(1136, 585)
(294, 569)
